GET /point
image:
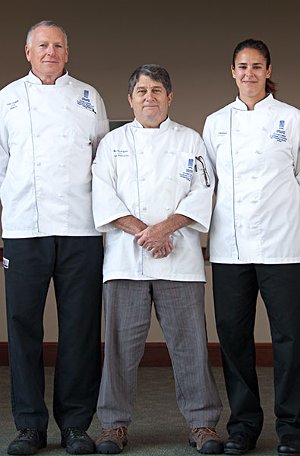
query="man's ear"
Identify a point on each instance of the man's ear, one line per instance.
(129, 100)
(27, 52)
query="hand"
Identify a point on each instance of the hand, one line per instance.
(156, 240)
(164, 251)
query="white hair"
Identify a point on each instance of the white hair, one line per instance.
(44, 24)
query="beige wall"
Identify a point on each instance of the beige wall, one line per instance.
(155, 334)
(194, 40)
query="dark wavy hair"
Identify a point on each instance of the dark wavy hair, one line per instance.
(262, 48)
(155, 72)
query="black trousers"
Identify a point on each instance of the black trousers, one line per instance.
(235, 294)
(75, 264)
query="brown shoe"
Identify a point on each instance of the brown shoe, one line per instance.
(112, 441)
(206, 440)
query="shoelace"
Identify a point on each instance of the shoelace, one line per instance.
(203, 432)
(27, 432)
(76, 433)
(119, 432)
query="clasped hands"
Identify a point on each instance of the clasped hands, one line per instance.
(156, 240)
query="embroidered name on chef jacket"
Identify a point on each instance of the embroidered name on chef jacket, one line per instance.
(121, 153)
(279, 134)
(85, 102)
(13, 104)
(188, 173)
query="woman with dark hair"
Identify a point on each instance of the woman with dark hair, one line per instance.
(253, 144)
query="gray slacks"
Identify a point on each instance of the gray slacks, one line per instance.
(179, 308)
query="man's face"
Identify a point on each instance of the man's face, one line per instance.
(47, 52)
(150, 102)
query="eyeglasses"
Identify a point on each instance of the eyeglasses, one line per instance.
(204, 173)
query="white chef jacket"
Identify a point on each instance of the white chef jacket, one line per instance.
(48, 139)
(150, 173)
(255, 157)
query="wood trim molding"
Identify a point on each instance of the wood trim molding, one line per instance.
(155, 354)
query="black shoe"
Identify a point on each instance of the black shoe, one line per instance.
(28, 442)
(76, 441)
(289, 445)
(238, 443)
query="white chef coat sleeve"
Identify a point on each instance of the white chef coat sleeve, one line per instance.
(208, 132)
(102, 122)
(4, 158)
(297, 151)
(107, 206)
(4, 152)
(197, 204)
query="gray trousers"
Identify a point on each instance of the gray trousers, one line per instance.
(179, 309)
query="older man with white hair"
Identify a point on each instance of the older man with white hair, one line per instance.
(51, 125)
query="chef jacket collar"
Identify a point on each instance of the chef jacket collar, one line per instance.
(239, 104)
(163, 126)
(59, 81)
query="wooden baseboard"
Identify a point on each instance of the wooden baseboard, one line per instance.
(155, 354)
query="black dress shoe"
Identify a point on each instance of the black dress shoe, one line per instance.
(289, 445)
(238, 443)
(29, 441)
(76, 441)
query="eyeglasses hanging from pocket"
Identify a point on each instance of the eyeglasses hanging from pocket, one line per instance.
(203, 171)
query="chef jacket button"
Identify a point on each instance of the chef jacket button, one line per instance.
(258, 151)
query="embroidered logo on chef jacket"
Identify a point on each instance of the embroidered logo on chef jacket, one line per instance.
(279, 134)
(85, 102)
(188, 173)
(5, 263)
(13, 104)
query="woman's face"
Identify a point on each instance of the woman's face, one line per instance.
(250, 73)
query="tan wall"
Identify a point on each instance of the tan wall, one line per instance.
(155, 335)
(193, 39)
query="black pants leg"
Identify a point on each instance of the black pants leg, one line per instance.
(280, 290)
(27, 278)
(75, 263)
(78, 286)
(235, 290)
